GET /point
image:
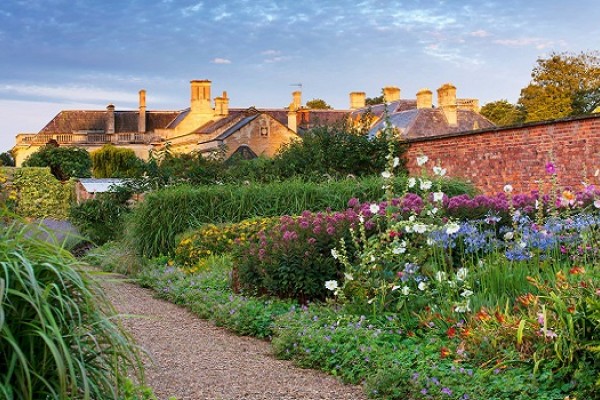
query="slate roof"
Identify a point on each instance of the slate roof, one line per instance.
(125, 121)
(428, 122)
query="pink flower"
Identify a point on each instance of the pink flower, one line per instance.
(550, 168)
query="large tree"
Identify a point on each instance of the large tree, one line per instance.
(318, 104)
(64, 162)
(502, 113)
(115, 162)
(562, 85)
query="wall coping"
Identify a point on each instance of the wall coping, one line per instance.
(502, 128)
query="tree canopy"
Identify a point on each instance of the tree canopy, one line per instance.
(562, 85)
(64, 162)
(6, 160)
(502, 113)
(318, 104)
(115, 162)
(371, 101)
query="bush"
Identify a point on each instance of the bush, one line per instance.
(57, 338)
(102, 219)
(64, 162)
(41, 195)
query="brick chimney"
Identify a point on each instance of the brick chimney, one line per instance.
(424, 98)
(110, 119)
(222, 105)
(200, 98)
(391, 93)
(297, 100)
(357, 100)
(447, 102)
(142, 114)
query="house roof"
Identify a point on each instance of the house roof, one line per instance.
(428, 122)
(100, 185)
(125, 121)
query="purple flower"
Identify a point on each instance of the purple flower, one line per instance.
(550, 168)
(423, 391)
(447, 391)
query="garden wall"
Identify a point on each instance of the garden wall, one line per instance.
(492, 158)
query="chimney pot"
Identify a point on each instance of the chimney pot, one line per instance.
(424, 98)
(391, 93)
(357, 100)
(200, 95)
(297, 100)
(142, 112)
(110, 119)
(447, 102)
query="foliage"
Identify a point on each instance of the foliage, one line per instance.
(336, 151)
(8, 194)
(6, 159)
(40, 195)
(293, 259)
(57, 337)
(318, 104)
(211, 239)
(563, 84)
(102, 219)
(372, 101)
(502, 113)
(116, 256)
(115, 162)
(64, 162)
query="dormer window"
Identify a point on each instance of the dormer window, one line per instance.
(264, 131)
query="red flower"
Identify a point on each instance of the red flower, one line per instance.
(451, 332)
(577, 270)
(445, 352)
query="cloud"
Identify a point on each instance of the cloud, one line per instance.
(221, 61)
(480, 33)
(270, 52)
(191, 10)
(73, 93)
(538, 43)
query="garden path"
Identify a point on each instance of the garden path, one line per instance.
(193, 359)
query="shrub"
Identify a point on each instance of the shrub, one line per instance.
(41, 195)
(115, 162)
(102, 219)
(211, 239)
(64, 162)
(57, 337)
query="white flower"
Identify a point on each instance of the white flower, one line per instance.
(508, 188)
(425, 184)
(374, 208)
(509, 235)
(440, 276)
(395, 287)
(597, 172)
(412, 218)
(452, 227)
(461, 274)
(334, 253)
(361, 219)
(439, 171)
(399, 250)
(438, 196)
(420, 228)
(331, 285)
(597, 203)
(421, 160)
(405, 290)
(432, 212)
(348, 276)
(412, 182)
(430, 241)
(452, 284)
(522, 244)
(396, 162)
(422, 286)
(386, 174)
(466, 293)
(462, 308)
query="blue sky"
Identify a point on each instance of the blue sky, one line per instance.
(85, 54)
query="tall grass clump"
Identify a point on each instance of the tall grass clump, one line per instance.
(57, 337)
(166, 213)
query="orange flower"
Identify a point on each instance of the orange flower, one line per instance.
(499, 317)
(527, 299)
(569, 196)
(465, 332)
(577, 270)
(451, 332)
(445, 352)
(483, 315)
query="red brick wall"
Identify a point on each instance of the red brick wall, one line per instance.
(495, 157)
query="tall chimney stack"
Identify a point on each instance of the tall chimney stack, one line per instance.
(357, 100)
(222, 104)
(391, 93)
(110, 119)
(292, 118)
(447, 102)
(424, 98)
(200, 96)
(142, 114)
(297, 100)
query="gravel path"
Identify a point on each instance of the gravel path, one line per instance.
(193, 359)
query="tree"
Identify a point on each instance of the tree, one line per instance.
(503, 113)
(564, 84)
(64, 162)
(371, 101)
(114, 162)
(318, 104)
(6, 159)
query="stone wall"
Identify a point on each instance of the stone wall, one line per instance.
(495, 157)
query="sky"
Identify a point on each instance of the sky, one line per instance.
(84, 54)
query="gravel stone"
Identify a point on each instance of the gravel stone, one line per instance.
(190, 358)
